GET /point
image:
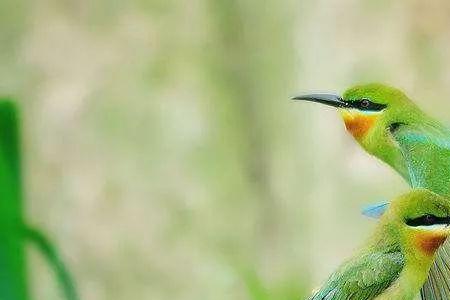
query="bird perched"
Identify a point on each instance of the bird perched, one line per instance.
(388, 125)
(394, 262)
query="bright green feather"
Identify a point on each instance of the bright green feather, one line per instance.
(363, 277)
(426, 151)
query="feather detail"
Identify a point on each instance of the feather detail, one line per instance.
(437, 285)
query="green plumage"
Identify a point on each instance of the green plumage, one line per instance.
(363, 277)
(426, 152)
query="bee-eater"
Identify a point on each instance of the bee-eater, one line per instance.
(395, 261)
(388, 125)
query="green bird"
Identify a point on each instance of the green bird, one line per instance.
(388, 125)
(395, 261)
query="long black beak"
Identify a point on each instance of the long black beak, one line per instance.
(328, 99)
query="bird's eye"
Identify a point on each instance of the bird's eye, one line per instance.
(365, 103)
(429, 220)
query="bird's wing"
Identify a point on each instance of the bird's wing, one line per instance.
(427, 154)
(362, 278)
(426, 151)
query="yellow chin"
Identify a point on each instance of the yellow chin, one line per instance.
(358, 123)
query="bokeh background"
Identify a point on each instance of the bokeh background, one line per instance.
(162, 153)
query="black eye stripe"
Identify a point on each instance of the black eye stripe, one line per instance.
(367, 105)
(427, 220)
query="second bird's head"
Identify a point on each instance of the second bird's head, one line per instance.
(372, 113)
(419, 221)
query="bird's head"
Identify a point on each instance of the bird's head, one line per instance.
(420, 220)
(372, 113)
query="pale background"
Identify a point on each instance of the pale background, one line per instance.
(163, 155)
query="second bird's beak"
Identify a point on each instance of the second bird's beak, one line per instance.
(327, 99)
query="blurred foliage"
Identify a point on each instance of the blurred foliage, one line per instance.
(162, 151)
(15, 231)
(13, 283)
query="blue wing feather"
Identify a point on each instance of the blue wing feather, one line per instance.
(375, 211)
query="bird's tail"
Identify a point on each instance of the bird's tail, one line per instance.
(437, 286)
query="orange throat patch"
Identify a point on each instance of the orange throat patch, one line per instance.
(358, 124)
(428, 243)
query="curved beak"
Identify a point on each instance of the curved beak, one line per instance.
(327, 99)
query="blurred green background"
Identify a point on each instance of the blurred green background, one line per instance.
(162, 153)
